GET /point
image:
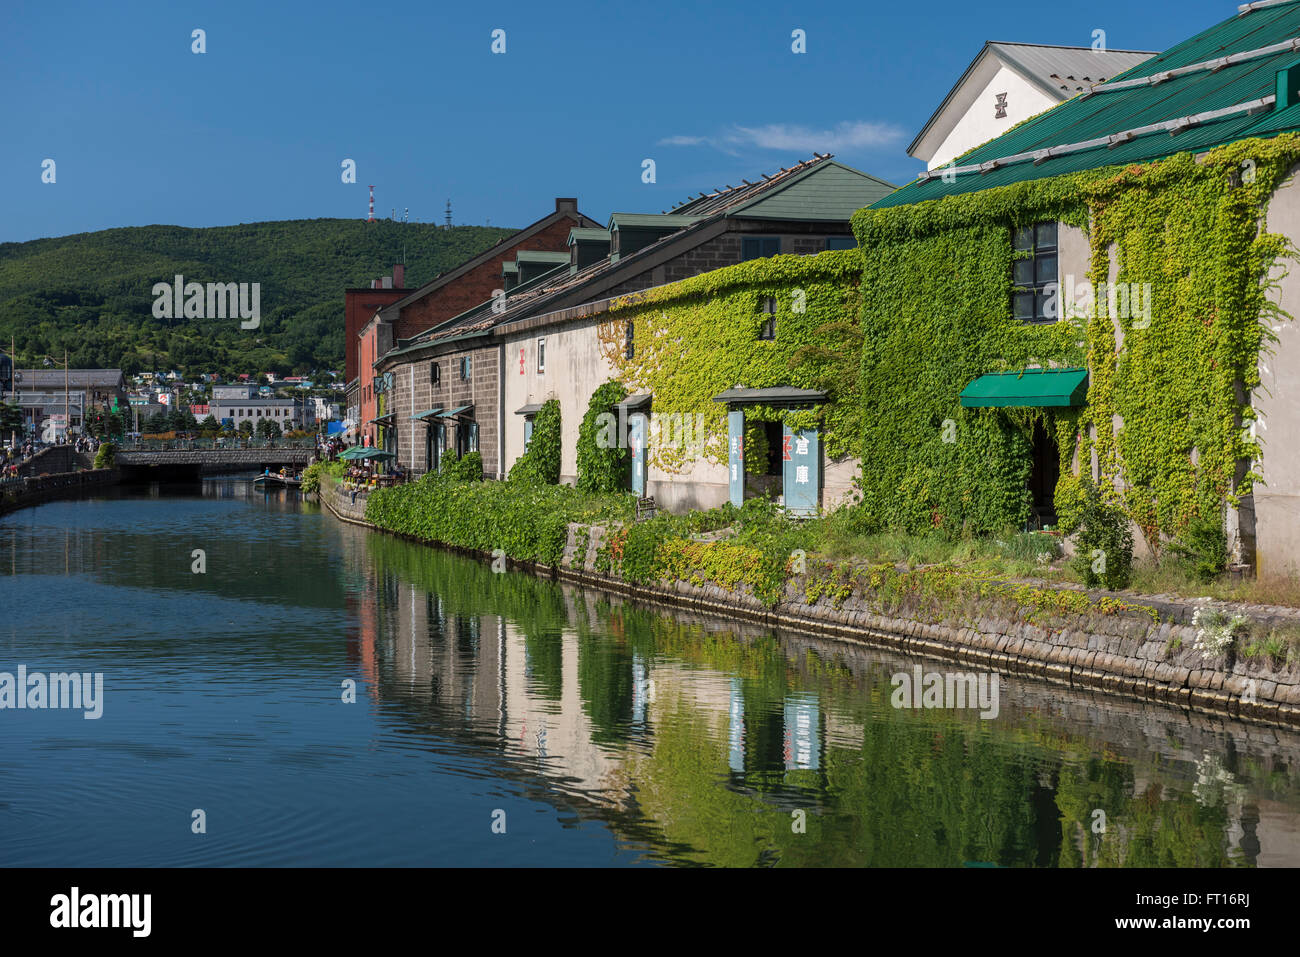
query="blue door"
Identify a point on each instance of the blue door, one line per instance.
(736, 456)
(800, 470)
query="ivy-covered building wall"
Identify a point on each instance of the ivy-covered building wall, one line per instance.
(1173, 359)
(690, 341)
(783, 321)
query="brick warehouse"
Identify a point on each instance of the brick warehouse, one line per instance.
(443, 298)
(453, 385)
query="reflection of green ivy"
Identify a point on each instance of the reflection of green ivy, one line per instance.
(699, 337)
(936, 293)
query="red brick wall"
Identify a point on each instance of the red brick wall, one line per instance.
(476, 286)
(359, 306)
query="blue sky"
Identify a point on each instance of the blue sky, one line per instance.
(144, 131)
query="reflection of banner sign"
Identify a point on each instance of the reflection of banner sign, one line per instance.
(736, 729)
(802, 733)
(640, 689)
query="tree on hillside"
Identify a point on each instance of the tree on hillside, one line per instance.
(11, 420)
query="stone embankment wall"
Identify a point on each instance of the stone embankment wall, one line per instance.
(340, 502)
(22, 492)
(1135, 654)
(55, 460)
(1129, 654)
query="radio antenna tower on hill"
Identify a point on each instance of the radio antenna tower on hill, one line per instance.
(449, 214)
(371, 219)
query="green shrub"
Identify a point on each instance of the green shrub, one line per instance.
(540, 463)
(466, 468)
(1203, 547)
(106, 455)
(1104, 546)
(602, 464)
(527, 522)
(311, 475)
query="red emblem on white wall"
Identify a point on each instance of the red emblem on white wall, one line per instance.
(521, 361)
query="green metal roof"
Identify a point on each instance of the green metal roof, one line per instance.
(1109, 111)
(666, 221)
(538, 256)
(581, 234)
(509, 266)
(426, 414)
(830, 192)
(449, 413)
(1035, 388)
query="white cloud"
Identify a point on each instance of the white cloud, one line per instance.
(847, 136)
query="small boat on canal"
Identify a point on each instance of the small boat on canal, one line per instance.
(278, 480)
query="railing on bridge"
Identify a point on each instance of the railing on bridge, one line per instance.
(212, 445)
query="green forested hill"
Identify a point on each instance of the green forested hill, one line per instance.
(91, 292)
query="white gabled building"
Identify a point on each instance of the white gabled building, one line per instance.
(1007, 83)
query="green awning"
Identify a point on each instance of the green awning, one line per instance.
(350, 453)
(449, 413)
(426, 414)
(1035, 388)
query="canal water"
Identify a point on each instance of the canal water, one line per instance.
(282, 689)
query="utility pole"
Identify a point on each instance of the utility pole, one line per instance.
(67, 422)
(22, 426)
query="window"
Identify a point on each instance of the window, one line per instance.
(528, 430)
(435, 374)
(629, 347)
(758, 247)
(466, 369)
(768, 329)
(1033, 273)
(541, 356)
(841, 242)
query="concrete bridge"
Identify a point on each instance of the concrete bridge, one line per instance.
(208, 461)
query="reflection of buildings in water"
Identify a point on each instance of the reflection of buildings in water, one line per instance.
(1271, 834)
(554, 726)
(583, 707)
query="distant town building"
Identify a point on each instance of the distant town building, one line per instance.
(104, 388)
(220, 392)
